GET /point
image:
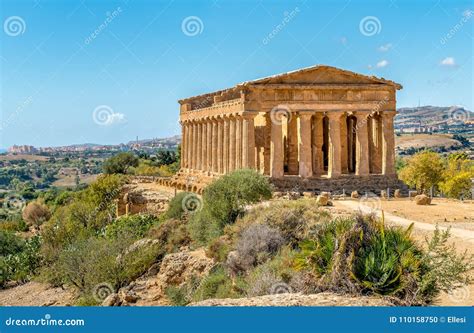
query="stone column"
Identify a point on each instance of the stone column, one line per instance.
(344, 147)
(292, 137)
(199, 145)
(304, 149)
(232, 144)
(276, 150)
(209, 145)
(183, 144)
(318, 140)
(334, 163)
(388, 139)
(238, 142)
(225, 148)
(204, 145)
(214, 146)
(220, 142)
(248, 142)
(194, 146)
(377, 143)
(362, 144)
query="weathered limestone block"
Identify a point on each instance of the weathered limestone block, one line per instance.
(383, 194)
(322, 200)
(354, 195)
(397, 193)
(422, 199)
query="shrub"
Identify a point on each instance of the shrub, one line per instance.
(294, 219)
(171, 234)
(22, 266)
(219, 285)
(225, 199)
(175, 207)
(135, 226)
(35, 213)
(10, 243)
(256, 245)
(120, 163)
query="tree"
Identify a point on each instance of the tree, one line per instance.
(120, 163)
(423, 170)
(457, 176)
(36, 212)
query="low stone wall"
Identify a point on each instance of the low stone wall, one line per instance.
(347, 183)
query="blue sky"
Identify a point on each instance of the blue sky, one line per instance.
(108, 71)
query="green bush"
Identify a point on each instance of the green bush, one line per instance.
(10, 243)
(171, 234)
(294, 219)
(175, 207)
(219, 285)
(135, 226)
(225, 199)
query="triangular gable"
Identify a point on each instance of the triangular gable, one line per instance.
(320, 74)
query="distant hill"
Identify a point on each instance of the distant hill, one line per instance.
(433, 118)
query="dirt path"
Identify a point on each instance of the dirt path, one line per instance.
(462, 233)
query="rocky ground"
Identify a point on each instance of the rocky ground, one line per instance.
(321, 299)
(36, 294)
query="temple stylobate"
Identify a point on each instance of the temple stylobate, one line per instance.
(318, 128)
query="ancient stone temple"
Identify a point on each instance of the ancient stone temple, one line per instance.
(316, 129)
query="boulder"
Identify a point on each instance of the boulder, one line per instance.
(397, 193)
(322, 200)
(383, 194)
(355, 195)
(422, 199)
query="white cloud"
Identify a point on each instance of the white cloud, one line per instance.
(385, 48)
(448, 62)
(382, 64)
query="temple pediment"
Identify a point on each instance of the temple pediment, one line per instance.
(324, 75)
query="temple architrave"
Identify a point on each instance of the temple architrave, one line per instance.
(315, 129)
